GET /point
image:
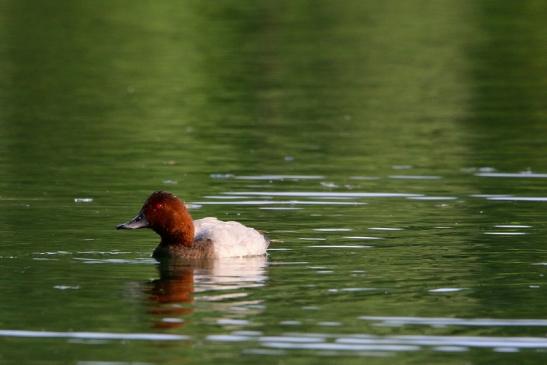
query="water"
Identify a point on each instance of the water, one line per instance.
(394, 152)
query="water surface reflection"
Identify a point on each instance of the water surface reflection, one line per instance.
(170, 298)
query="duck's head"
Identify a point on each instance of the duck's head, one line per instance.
(166, 215)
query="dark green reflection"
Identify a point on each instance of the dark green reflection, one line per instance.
(507, 129)
(509, 76)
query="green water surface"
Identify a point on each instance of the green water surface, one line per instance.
(394, 151)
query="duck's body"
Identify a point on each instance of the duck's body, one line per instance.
(199, 250)
(194, 239)
(214, 238)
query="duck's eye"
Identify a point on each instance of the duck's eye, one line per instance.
(158, 206)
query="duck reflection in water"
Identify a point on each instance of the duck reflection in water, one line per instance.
(184, 283)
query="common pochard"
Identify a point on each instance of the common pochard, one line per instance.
(183, 237)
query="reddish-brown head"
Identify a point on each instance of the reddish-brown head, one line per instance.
(167, 216)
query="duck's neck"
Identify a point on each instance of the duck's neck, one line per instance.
(177, 239)
(181, 233)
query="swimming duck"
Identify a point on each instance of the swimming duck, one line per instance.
(183, 237)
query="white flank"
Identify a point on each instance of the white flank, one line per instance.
(231, 239)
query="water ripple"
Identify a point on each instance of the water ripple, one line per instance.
(280, 177)
(93, 335)
(363, 238)
(520, 198)
(445, 290)
(524, 174)
(511, 226)
(463, 341)
(505, 233)
(416, 177)
(476, 322)
(116, 261)
(401, 343)
(432, 198)
(324, 194)
(275, 202)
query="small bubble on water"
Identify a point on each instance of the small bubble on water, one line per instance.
(506, 349)
(445, 290)
(450, 348)
(67, 287)
(232, 322)
(328, 184)
(221, 176)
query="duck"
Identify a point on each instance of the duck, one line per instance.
(185, 238)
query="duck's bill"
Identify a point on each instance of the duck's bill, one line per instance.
(138, 222)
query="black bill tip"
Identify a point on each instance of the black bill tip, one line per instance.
(138, 222)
